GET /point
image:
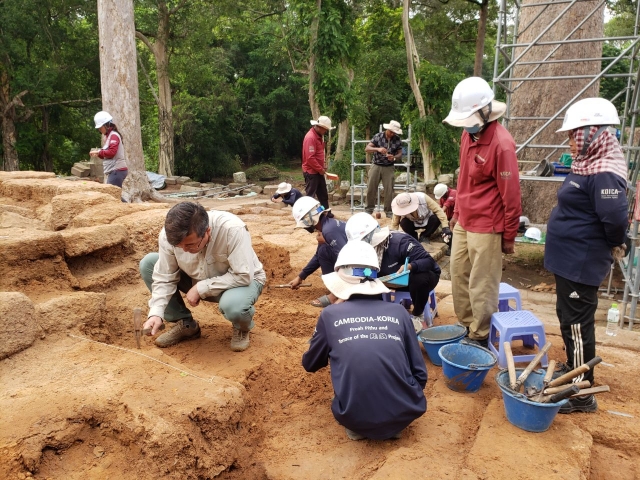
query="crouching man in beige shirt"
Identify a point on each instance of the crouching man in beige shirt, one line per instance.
(208, 256)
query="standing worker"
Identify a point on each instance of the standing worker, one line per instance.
(208, 256)
(313, 161)
(387, 149)
(589, 221)
(487, 210)
(446, 197)
(377, 369)
(418, 211)
(112, 152)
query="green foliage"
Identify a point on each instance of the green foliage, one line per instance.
(610, 87)
(264, 171)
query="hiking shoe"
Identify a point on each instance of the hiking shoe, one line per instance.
(424, 238)
(353, 435)
(561, 369)
(586, 404)
(182, 330)
(239, 340)
(484, 343)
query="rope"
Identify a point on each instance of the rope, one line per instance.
(182, 372)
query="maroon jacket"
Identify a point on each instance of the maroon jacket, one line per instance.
(448, 202)
(313, 153)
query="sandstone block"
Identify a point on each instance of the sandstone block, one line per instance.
(44, 190)
(446, 178)
(193, 184)
(270, 190)
(171, 180)
(239, 177)
(256, 189)
(65, 207)
(183, 180)
(71, 310)
(18, 327)
(189, 188)
(96, 167)
(28, 174)
(22, 245)
(82, 241)
(143, 229)
(108, 212)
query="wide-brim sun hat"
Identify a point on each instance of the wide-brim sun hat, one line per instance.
(393, 126)
(405, 203)
(283, 188)
(323, 121)
(379, 236)
(343, 286)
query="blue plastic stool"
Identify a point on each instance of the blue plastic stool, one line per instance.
(507, 292)
(398, 297)
(516, 325)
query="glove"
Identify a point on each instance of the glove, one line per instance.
(446, 235)
(619, 253)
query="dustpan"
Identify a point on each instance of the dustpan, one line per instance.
(397, 279)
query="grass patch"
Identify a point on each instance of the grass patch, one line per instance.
(528, 255)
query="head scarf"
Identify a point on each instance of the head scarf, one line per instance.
(604, 154)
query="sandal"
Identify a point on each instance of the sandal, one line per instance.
(321, 302)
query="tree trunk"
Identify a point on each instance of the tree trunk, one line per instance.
(343, 134)
(47, 161)
(313, 104)
(544, 98)
(9, 137)
(482, 32)
(412, 58)
(119, 81)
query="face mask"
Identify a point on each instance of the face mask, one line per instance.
(311, 229)
(472, 130)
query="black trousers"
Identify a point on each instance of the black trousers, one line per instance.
(409, 227)
(420, 285)
(576, 307)
(315, 185)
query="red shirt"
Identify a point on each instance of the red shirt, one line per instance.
(313, 153)
(488, 199)
(113, 141)
(448, 202)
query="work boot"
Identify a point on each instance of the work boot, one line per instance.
(585, 403)
(353, 435)
(484, 343)
(182, 330)
(561, 369)
(424, 238)
(239, 340)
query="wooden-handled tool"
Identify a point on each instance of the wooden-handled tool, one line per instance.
(286, 285)
(591, 391)
(510, 365)
(565, 393)
(523, 376)
(547, 378)
(552, 390)
(137, 325)
(575, 372)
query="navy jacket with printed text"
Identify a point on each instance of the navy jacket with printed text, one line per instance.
(589, 220)
(401, 246)
(377, 370)
(334, 236)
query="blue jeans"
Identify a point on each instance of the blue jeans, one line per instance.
(235, 304)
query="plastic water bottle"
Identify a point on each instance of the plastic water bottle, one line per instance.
(613, 317)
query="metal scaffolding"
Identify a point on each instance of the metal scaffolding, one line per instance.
(362, 166)
(509, 55)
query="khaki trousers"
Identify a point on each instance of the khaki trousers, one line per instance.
(476, 271)
(387, 175)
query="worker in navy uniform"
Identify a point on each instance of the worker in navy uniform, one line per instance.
(286, 194)
(392, 249)
(329, 231)
(377, 369)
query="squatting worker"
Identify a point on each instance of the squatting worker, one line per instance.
(589, 221)
(331, 237)
(313, 161)
(208, 256)
(286, 194)
(446, 197)
(112, 152)
(377, 369)
(418, 211)
(487, 210)
(387, 149)
(392, 249)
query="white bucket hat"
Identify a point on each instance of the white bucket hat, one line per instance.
(356, 272)
(283, 188)
(405, 203)
(393, 126)
(323, 121)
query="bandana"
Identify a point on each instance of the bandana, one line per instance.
(602, 155)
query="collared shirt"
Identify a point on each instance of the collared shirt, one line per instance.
(427, 206)
(448, 203)
(393, 146)
(488, 198)
(228, 261)
(313, 152)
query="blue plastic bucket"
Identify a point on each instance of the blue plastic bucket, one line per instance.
(524, 414)
(435, 337)
(465, 366)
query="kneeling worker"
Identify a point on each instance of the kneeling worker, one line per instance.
(414, 211)
(377, 369)
(392, 248)
(286, 194)
(208, 256)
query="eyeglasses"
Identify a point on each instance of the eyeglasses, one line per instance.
(190, 246)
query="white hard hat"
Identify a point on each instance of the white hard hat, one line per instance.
(533, 233)
(323, 121)
(589, 111)
(101, 118)
(357, 254)
(469, 96)
(363, 226)
(439, 190)
(524, 220)
(306, 212)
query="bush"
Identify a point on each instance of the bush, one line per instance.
(263, 171)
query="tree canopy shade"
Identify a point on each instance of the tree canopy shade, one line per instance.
(229, 84)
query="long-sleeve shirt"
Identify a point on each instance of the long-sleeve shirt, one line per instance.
(228, 261)
(377, 370)
(427, 206)
(289, 198)
(334, 236)
(589, 220)
(448, 203)
(313, 153)
(401, 246)
(112, 153)
(488, 198)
